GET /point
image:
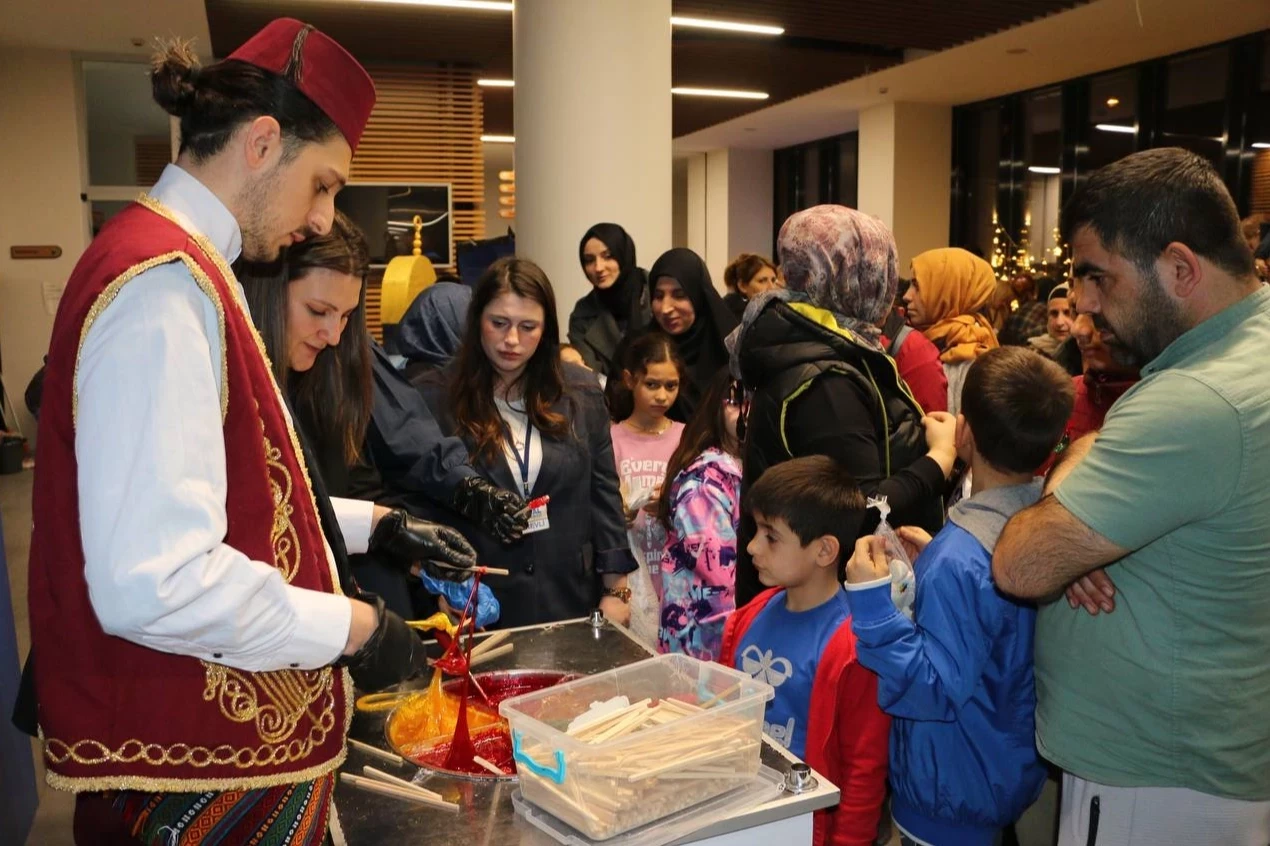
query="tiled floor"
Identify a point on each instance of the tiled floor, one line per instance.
(52, 826)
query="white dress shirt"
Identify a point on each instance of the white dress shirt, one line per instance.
(152, 481)
(517, 421)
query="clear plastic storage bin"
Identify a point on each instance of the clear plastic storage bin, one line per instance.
(692, 731)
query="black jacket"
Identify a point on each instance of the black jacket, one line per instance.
(595, 332)
(555, 573)
(838, 398)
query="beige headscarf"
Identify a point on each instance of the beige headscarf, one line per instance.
(956, 288)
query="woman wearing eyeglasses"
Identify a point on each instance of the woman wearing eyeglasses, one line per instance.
(700, 509)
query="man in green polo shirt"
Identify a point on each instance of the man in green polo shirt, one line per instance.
(1159, 711)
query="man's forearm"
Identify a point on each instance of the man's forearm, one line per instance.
(1043, 549)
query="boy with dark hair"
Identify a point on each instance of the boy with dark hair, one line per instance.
(795, 636)
(957, 678)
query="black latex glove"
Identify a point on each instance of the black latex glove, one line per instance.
(409, 539)
(496, 510)
(393, 653)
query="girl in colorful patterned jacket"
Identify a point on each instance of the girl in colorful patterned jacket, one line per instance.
(700, 508)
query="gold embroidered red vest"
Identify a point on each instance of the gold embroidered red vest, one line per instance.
(117, 715)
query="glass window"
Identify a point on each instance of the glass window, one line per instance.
(980, 162)
(810, 194)
(1113, 118)
(128, 133)
(1195, 104)
(848, 169)
(1042, 154)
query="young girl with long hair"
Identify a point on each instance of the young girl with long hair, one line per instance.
(643, 443)
(700, 506)
(540, 428)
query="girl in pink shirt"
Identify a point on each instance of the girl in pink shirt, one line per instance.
(642, 445)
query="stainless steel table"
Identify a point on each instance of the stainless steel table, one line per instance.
(487, 816)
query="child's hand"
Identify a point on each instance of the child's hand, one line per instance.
(868, 564)
(914, 539)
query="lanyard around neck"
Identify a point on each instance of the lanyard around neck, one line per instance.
(523, 461)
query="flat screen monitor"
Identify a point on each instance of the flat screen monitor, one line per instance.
(385, 211)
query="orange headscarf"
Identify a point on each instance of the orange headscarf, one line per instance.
(956, 287)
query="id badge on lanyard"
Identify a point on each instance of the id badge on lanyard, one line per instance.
(538, 520)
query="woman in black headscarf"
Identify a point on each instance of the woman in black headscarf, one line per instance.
(687, 307)
(618, 302)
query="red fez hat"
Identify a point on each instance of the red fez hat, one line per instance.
(319, 67)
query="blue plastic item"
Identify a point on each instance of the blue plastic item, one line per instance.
(556, 774)
(456, 593)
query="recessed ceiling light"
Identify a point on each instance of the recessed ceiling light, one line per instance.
(475, 5)
(729, 26)
(496, 83)
(498, 139)
(1115, 127)
(1113, 101)
(1046, 170)
(720, 92)
(1261, 145)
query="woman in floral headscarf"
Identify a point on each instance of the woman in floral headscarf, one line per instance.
(951, 293)
(820, 382)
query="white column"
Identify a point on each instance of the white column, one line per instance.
(729, 206)
(906, 173)
(593, 131)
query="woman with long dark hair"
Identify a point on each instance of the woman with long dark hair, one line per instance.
(313, 325)
(618, 302)
(539, 427)
(700, 506)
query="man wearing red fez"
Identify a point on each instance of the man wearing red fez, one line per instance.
(195, 637)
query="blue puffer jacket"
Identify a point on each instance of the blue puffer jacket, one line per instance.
(958, 682)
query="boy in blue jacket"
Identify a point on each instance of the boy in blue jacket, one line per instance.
(957, 678)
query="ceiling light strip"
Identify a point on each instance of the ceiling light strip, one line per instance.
(720, 92)
(727, 26)
(471, 5)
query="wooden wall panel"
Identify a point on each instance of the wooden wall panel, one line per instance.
(1260, 200)
(426, 127)
(152, 155)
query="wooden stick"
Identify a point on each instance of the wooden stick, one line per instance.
(383, 776)
(595, 726)
(623, 726)
(494, 571)
(710, 703)
(490, 655)
(413, 795)
(708, 755)
(490, 642)
(392, 758)
(567, 799)
(492, 767)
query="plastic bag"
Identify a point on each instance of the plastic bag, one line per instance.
(903, 582)
(487, 609)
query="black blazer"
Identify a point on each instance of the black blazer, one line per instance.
(555, 573)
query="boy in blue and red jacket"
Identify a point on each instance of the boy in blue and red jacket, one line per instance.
(957, 678)
(797, 637)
